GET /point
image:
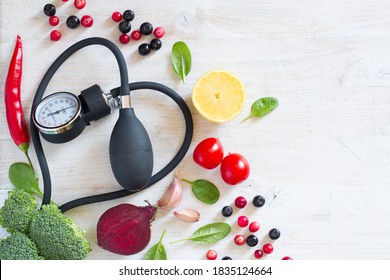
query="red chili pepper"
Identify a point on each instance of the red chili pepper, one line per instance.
(14, 110)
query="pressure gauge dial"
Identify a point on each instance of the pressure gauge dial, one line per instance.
(58, 117)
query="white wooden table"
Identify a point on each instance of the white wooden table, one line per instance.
(322, 159)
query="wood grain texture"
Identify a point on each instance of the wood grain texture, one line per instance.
(321, 159)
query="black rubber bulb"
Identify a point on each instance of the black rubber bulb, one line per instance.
(131, 153)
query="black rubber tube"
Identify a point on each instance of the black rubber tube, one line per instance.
(163, 172)
(124, 90)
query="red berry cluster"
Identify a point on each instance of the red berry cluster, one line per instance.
(145, 29)
(242, 221)
(72, 21)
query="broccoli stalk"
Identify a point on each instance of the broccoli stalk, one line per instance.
(57, 236)
(18, 246)
(17, 211)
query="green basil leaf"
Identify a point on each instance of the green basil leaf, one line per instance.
(22, 177)
(209, 234)
(262, 107)
(204, 190)
(157, 252)
(181, 60)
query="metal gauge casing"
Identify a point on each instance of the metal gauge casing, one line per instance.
(58, 117)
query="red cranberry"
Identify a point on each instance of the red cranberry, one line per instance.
(287, 258)
(211, 255)
(86, 21)
(80, 4)
(268, 248)
(239, 239)
(55, 35)
(242, 221)
(254, 226)
(54, 20)
(258, 254)
(124, 38)
(116, 16)
(159, 32)
(240, 202)
(136, 35)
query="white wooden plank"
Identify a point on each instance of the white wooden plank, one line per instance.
(325, 151)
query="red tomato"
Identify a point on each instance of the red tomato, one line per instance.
(234, 169)
(208, 153)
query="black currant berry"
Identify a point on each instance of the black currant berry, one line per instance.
(128, 15)
(144, 49)
(226, 258)
(155, 44)
(73, 22)
(274, 234)
(252, 240)
(124, 27)
(227, 211)
(49, 10)
(258, 201)
(146, 28)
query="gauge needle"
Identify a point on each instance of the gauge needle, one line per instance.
(59, 111)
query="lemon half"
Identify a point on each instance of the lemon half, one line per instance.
(219, 96)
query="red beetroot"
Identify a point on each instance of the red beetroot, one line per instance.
(125, 229)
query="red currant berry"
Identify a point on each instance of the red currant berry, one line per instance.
(124, 38)
(242, 221)
(86, 21)
(287, 258)
(211, 255)
(65, 0)
(159, 32)
(239, 239)
(116, 16)
(54, 20)
(254, 226)
(240, 202)
(80, 4)
(258, 254)
(136, 35)
(55, 35)
(268, 248)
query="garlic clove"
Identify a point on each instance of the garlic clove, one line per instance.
(172, 196)
(187, 215)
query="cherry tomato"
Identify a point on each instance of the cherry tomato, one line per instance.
(234, 169)
(208, 153)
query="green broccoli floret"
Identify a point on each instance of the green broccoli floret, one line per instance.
(17, 211)
(18, 246)
(57, 236)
